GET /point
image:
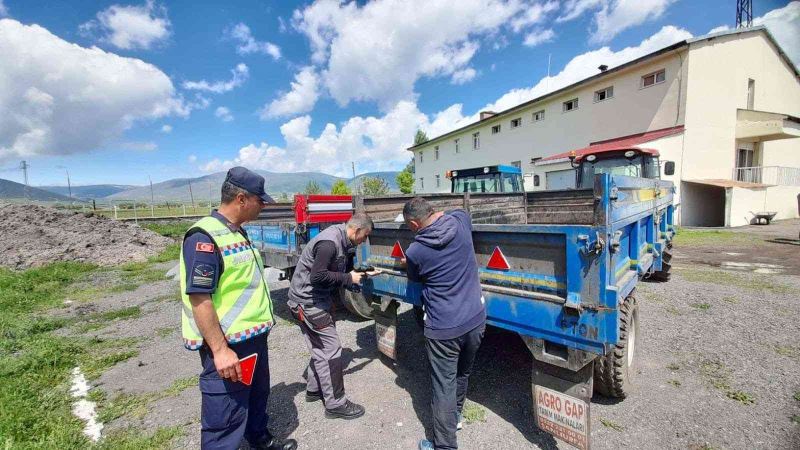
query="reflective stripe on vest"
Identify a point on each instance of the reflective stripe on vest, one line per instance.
(241, 300)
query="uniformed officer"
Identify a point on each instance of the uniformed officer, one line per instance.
(321, 271)
(227, 315)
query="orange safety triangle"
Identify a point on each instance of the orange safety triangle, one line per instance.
(397, 251)
(248, 366)
(498, 261)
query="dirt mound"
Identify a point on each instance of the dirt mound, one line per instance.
(32, 236)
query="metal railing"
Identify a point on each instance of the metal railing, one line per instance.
(774, 175)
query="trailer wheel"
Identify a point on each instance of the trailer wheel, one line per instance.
(666, 266)
(614, 372)
(358, 304)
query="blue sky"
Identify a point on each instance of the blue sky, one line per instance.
(114, 92)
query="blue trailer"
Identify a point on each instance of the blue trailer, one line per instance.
(560, 269)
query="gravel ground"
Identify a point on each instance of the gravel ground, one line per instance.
(32, 236)
(706, 336)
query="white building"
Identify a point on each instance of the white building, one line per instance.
(723, 107)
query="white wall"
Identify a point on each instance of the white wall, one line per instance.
(719, 70)
(632, 110)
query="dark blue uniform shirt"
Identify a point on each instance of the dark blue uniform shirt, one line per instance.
(204, 268)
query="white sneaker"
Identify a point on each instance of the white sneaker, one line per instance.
(460, 423)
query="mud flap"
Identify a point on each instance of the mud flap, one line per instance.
(385, 314)
(562, 392)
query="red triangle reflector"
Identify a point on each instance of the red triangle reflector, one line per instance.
(498, 260)
(248, 366)
(397, 251)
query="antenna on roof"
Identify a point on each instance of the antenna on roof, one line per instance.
(744, 13)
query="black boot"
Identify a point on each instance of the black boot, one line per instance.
(348, 411)
(275, 444)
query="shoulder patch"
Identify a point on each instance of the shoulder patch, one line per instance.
(205, 247)
(203, 275)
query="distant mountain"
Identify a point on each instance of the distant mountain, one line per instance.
(11, 190)
(207, 187)
(94, 191)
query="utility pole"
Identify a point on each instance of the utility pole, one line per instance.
(744, 13)
(152, 197)
(354, 169)
(191, 196)
(547, 85)
(69, 185)
(24, 166)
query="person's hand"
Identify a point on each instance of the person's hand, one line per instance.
(374, 272)
(227, 363)
(356, 277)
(403, 263)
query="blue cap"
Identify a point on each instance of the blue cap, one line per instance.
(249, 181)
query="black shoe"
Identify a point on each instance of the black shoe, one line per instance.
(275, 444)
(313, 396)
(347, 411)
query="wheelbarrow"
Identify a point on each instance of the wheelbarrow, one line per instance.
(764, 217)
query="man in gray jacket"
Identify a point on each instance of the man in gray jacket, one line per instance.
(321, 271)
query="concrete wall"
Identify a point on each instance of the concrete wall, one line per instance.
(719, 70)
(632, 110)
(703, 205)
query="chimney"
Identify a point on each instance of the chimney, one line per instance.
(603, 67)
(487, 114)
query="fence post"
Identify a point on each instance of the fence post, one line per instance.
(135, 215)
(115, 211)
(184, 210)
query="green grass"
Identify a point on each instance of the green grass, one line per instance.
(171, 253)
(701, 306)
(95, 366)
(737, 280)
(175, 230)
(164, 332)
(124, 287)
(101, 320)
(135, 405)
(610, 424)
(716, 375)
(703, 238)
(795, 418)
(474, 412)
(675, 383)
(133, 439)
(741, 397)
(797, 396)
(787, 350)
(674, 366)
(180, 385)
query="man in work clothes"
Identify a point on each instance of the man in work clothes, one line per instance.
(227, 315)
(442, 258)
(321, 271)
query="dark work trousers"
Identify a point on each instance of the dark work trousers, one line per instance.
(451, 362)
(232, 411)
(325, 369)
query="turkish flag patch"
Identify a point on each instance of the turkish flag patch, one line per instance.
(204, 247)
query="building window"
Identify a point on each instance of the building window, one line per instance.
(422, 183)
(517, 164)
(456, 141)
(538, 115)
(438, 181)
(476, 141)
(604, 94)
(751, 93)
(653, 78)
(436, 153)
(570, 105)
(420, 157)
(516, 122)
(496, 129)
(536, 181)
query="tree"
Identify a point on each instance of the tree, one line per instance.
(284, 197)
(312, 187)
(405, 180)
(420, 137)
(410, 166)
(373, 186)
(340, 187)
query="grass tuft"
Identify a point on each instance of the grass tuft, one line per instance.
(675, 383)
(610, 424)
(701, 306)
(474, 412)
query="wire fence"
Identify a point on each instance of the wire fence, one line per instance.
(136, 210)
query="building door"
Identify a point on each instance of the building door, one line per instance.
(746, 162)
(560, 179)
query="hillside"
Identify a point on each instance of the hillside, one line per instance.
(94, 191)
(208, 186)
(11, 190)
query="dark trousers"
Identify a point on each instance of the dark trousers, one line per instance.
(232, 411)
(451, 362)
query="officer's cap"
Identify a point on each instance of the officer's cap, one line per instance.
(249, 181)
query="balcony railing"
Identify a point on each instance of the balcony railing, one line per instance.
(775, 175)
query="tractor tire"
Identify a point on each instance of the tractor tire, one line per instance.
(614, 372)
(358, 304)
(666, 267)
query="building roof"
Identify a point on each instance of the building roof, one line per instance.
(630, 142)
(593, 78)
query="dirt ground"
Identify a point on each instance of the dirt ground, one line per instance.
(718, 364)
(32, 236)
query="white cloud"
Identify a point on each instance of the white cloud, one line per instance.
(379, 143)
(377, 51)
(131, 27)
(784, 24)
(192, 158)
(60, 98)
(248, 44)
(166, 129)
(239, 75)
(537, 37)
(611, 17)
(139, 146)
(3, 10)
(719, 29)
(300, 99)
(223, 113)
(463, 76)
